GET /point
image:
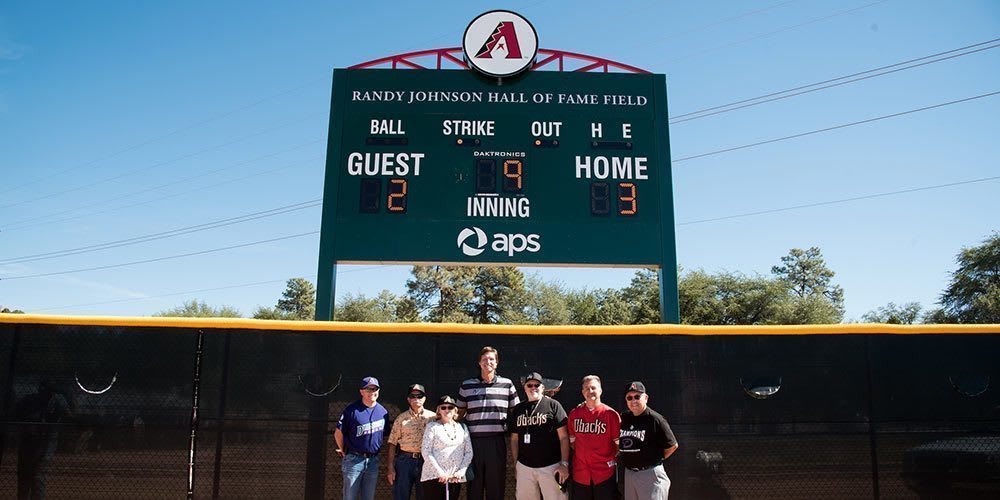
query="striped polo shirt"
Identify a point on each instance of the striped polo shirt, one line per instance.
(486, 404)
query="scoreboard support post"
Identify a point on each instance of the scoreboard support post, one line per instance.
(326, 275)
(669, 300)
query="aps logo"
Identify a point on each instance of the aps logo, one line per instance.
(472, 241)
(500, 43)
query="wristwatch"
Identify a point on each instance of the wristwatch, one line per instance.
(564, 463)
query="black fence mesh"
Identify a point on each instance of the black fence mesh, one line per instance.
(118, 412)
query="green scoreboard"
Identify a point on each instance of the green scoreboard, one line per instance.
(451, 167)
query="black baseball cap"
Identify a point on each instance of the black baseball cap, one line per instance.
(532, 376)
(445, 400)
(635, 386)
(415, 388)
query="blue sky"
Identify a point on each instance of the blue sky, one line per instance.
(124, 119)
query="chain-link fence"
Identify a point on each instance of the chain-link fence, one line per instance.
(172, 412)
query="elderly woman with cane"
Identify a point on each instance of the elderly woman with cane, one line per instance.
(447, 452)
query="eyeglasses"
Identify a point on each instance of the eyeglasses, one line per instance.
(446, 407)
(371, 389)
(415, 396)
(532, 386)
(633, 398)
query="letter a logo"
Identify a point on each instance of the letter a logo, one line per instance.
(504, 38)
(500, 43)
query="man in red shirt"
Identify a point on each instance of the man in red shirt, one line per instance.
(593, 433)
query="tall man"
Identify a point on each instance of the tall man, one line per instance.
(359, 438)
(408, 434)
(646, 441)
(593, 432)
(484, 402)
(539, 443)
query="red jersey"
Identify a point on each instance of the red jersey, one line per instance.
(594, 433)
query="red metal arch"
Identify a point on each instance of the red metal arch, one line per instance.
(437, 58)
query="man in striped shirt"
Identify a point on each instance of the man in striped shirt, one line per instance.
(484, 401)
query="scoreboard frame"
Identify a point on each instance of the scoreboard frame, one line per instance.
(430, 168)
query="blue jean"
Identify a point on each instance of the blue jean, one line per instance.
(408, 470)
(360, 476)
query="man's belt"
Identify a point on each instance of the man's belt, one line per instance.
(363, 455)
(645, 467)
(409, 454)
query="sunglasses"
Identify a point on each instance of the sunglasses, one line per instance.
(532, 386)
(415, 396)
(446, 407)
(633, 398)
(371, 389)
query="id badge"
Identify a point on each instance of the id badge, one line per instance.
(527, 439)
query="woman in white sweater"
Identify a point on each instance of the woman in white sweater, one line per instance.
(447, 452)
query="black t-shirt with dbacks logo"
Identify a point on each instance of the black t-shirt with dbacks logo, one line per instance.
(536, 424)
(643, 438)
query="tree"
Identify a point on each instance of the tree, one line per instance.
(381, 309)
(547, 303)
(973, 294)
(612, 308)
(197, 309)
(815, 298)
(299, 300)
(905, 314)
(441, 292)
(297, 303)
(582, 307)
(731, 299)
(643, 294)
(498, 296)
(4, 310)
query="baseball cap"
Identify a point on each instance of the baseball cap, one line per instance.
(367, 381)
(635, 386)
(416, 388)
(445, 400)
(531, 376)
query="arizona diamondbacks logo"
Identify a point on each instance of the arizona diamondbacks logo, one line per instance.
(503, 38)
(507, 43)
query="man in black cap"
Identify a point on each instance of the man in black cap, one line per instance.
(407, 434)
(539, 443)
(645, 442)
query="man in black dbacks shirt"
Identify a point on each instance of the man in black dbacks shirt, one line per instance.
(645, 442)
(539, 443)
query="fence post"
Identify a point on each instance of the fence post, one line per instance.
(196, 387)
(9, 391)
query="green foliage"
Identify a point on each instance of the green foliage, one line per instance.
(893, 314)
(380, 309)
(498, 296)
(582, 307)
(731, 299)
(440, 293)
(197, 309)
(973, 294)
(4, 310)
(815, 299)
(643, 296)
(299, 300)
(547, 303)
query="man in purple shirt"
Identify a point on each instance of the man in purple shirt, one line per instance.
(359, 438)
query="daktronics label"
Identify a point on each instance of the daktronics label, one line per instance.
(472, 242)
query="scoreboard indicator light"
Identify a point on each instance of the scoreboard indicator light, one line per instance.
(610, 145)
(546, 143)
(387, 141)
(462, 141)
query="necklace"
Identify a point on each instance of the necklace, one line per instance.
(450, 431)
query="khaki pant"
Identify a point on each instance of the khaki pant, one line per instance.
(649, 484)
(540, 483)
